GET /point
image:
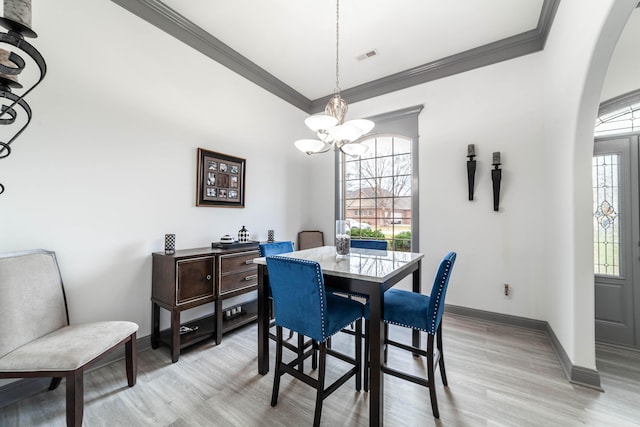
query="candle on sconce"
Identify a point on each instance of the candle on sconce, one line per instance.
(471, 150)
(18, 11)
(496, 158)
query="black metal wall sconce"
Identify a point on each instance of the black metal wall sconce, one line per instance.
(17, 22)
(496, 177)
(471, 169)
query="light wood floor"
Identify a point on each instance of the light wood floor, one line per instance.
(498, 376)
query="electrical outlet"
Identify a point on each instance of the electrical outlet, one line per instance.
(507, 290)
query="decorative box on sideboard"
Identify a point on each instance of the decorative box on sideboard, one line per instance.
(190, 278)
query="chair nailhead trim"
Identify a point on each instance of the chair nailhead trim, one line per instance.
(321, 292)
(432, 329)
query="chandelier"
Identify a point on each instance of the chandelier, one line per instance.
(15, 113)
(330, 128)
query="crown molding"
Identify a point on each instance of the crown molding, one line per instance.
(168, 20)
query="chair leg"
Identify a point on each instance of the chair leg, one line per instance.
(366, 355)
(443, 373)
(314, 355)
(131, 359)
(358, 340)
(75, 397)
(320, 384)
(430, 375)
(55, 382)
(300, 352)
(386, 336)
(277, 372)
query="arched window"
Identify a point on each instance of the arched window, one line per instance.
(378, 192)
(619, 115)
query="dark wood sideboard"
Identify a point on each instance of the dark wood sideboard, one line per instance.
(192, 277)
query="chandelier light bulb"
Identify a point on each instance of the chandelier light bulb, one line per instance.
(309, 145)
(364, 125)
(319, 122)
(345, 133)
(354, 149)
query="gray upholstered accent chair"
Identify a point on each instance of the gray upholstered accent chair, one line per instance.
(308, 239)
(36, 339)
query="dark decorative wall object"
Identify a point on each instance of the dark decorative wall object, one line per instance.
(496, 177)
(471, 169)
(15, 113)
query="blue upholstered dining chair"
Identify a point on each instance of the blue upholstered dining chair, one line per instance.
(369, 244)
(278, 248)
(275, 248)
(419, 312)
(301, 304)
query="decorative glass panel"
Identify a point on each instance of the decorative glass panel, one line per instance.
(606, 210)
(621, 121)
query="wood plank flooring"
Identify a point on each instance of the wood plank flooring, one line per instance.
(498, 376)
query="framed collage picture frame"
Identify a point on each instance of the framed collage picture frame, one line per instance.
(220, 180)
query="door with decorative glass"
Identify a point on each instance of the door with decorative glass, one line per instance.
(616, 240)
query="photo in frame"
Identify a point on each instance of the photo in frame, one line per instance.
(220, 180)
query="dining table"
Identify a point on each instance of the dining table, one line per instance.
(363, 271)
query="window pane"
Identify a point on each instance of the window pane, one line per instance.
(402, 165)
(368, 168)
(606, 208)
(401, 146)
(384, 166)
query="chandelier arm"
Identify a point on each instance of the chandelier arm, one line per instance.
(324, 150)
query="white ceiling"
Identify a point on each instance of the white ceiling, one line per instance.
(288, 47)
(295, 41)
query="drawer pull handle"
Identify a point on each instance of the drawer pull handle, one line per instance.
(249, 261)
(253, 276)
(208, 277)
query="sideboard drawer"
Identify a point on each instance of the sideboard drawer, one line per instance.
(237, 262)
(240, 280)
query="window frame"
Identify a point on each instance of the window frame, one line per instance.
(400, 123)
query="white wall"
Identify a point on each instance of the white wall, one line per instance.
(484, 107)
(108, 165)
(538, 111)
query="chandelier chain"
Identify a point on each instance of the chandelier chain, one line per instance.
(337, 89)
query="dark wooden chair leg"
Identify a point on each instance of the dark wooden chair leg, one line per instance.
(366, 355)
(131, 359)
(55, 382)
(314, 356)
(386, 336)
(300, 352)
(358, 339)
(430, 375)
(277, 372)
(320, 384)
(75, 397)
(443, 372)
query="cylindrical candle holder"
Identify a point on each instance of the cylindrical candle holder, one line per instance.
(270, 236)
(19, 11)
(343, 238)
(169, 243)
